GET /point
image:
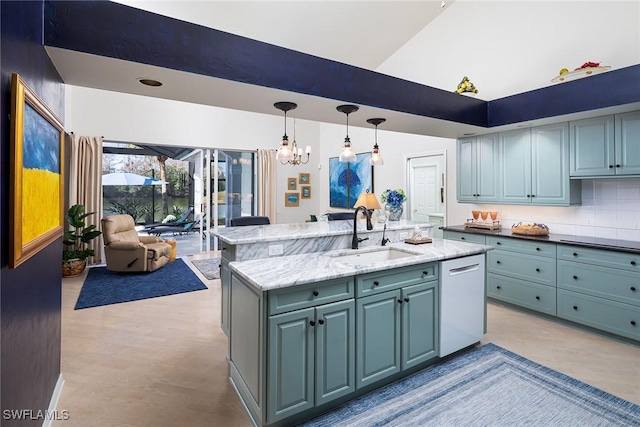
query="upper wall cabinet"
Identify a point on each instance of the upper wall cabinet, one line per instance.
(535, 167)
(478, 169)
(606, 146)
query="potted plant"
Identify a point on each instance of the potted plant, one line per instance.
(76, 238)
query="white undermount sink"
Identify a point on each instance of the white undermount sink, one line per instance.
(370, 257)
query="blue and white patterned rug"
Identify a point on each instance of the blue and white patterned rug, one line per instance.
(488, 386)
(210, 268)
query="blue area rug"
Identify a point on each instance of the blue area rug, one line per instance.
(210, 268)
(488, 386)
(103, 287)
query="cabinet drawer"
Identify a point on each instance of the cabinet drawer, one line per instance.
(465, 237)
(297, 297)
(381, 281)
(623, 260)
(228, 252)
(523, 246)
(522, 266)
(618, 318)
(613, 284)
(520, 292)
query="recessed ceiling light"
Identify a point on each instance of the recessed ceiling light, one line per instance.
(150, 82)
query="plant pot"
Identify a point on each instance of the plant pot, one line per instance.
(73, 267)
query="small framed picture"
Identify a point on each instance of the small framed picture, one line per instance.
(304, 178)
(291, 199)
(292, 184)
(305, 192)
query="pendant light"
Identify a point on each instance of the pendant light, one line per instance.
(347, 155)
(284, 152)
(376, 158)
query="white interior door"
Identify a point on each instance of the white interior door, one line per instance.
(426, 188)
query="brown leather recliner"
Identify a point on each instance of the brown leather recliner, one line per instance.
(128, 252)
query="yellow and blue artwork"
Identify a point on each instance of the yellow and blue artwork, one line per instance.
(37, 180)
(348, 180)
(40, 176)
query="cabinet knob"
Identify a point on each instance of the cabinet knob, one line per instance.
(498, 243)
(538, 298)
(575, 254)
(610, 166)
(399, 301)
(315, 293)
(537, 249)
(498, 262)
(528, 195)
(533, 195)
(498, 287)
(633, 263)
(538, 270)
(321, 321)
(617, 166)
(376, 283)
(575, 307)
(425, 273)
(312, 323)
(633, 288)
(633, 323)
(406, 300)
(575, 277)
(463, 238)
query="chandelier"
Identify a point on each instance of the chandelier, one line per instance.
(290, 155)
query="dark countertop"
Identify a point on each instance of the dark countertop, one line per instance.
(566, 239)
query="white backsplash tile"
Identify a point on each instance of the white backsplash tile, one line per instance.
(610, 208)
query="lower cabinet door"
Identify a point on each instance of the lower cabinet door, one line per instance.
(378, 337)
(335, 330)
(419, 323)
(291, 367)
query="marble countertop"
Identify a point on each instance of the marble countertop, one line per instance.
(305, 230)
(567, 239)
(281, 272)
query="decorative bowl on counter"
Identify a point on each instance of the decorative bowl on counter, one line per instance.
(531, 229)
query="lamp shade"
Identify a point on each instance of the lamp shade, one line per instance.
(368, 200)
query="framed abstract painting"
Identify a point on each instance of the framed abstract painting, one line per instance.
(37, 181)
(348, 180)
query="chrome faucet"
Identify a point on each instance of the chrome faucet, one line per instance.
(355, 240)
(384, 240)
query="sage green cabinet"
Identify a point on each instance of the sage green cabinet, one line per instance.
(465, 237)
(606, 146)
(311, 358)
(396, 331)
(478, 169)
(535, 167)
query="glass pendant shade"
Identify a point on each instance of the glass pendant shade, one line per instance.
(347, 154)
(376, 158)
(284, 152)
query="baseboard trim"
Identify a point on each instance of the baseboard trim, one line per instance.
(53, 404)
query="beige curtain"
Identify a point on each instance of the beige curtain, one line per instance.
(267, 184)
(85, 182)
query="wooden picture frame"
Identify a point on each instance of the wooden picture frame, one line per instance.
(304, 178)
(291, 199)
(305, 191)
(36, 174)
(292, 184)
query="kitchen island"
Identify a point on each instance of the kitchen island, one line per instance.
(277, 240)
(315, 330)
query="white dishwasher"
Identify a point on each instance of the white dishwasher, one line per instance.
(462, 303)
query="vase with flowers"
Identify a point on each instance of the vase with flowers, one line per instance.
(393, 200)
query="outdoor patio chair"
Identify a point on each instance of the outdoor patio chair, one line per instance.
(175, 229)
(126, 251)
(184, 219)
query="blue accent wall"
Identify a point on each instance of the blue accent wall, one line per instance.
(30, 295)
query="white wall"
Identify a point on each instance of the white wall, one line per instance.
(508, 47)
(138, 119)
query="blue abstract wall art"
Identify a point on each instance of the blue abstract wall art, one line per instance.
(348, 180)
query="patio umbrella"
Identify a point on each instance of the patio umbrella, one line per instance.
(126, 178)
